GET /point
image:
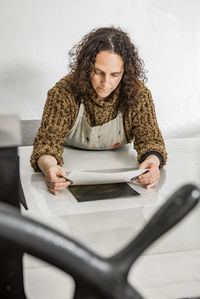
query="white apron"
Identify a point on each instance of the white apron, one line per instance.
(107, 136)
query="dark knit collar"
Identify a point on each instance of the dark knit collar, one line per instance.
(111, 100)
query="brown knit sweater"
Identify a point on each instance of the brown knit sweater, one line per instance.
(61, 110)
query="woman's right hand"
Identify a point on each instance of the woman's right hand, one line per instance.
(52, 171)
(53, 180)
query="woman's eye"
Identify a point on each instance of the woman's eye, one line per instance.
(115, 75)
(98, 73)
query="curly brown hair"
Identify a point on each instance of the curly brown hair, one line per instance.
(82, 58)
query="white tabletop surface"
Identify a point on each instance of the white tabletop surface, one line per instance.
(170, 268)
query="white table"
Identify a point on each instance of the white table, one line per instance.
(168, 269)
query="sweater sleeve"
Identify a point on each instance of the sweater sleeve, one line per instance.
(56, 121)
(148, 137)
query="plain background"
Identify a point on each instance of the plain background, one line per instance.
(36, 36)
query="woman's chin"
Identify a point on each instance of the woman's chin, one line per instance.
(103, 95)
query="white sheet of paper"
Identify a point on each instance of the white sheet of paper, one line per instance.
(90, 178)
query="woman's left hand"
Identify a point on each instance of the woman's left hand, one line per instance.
(150, 178)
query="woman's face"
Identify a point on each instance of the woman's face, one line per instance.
(108, 71)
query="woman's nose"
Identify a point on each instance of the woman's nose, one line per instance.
(106, 80)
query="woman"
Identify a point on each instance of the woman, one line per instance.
(102, 104)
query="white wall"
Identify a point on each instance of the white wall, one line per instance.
(37, 34)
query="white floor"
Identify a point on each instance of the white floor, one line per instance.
(168, 269)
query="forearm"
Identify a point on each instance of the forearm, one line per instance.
(148, 137)
(56, 122)
(45, 162)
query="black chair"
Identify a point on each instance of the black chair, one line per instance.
(95, 277)
(11, 268)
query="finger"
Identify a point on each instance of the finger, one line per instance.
(53, 191)
(151, 171)
(61, 173)
(145, 176)
(149, 180)
(62, 186)
(57, 186)
(55, 179)
(144, 179)
(62, 180)
(151, 185)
